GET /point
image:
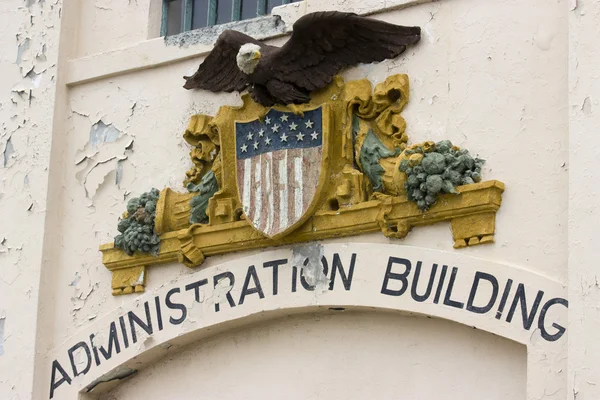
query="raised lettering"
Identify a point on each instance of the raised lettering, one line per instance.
(542, 320)
(175, 306)
(147, 326)
(159, 320)
(413, 290)
(71, 351)
(113, 340)
(336, 266)
(520, 297)
(196, 286)
(491, 279)
(216, 280)
(447, 299)
(94, 349)
(504, 298)
(124, 331)
(438, 292)
(246, 290)
(275, 265)
(294, 278)
(396, 276)
(64, 377)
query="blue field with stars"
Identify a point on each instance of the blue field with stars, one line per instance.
(279, 131)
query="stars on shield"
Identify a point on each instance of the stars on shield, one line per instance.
(278, 168)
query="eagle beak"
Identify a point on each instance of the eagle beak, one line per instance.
(257, 56)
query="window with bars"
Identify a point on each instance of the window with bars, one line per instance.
(184, 15)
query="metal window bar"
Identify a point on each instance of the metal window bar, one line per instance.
(262, 7)
(188, 9)
(212, 12)
(236, 10)
(187, 15)
(163, 21)
(188, 6)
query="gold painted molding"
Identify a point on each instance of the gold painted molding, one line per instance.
(472, 214)
(348, 204)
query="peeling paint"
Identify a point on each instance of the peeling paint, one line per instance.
(30, 55)
(572, 5)
(105, 152)
(140, 280)
(10, 266)
(543, 39)
(119, 172)
(308, 257)
(75, 281)
(8, 151)
(41, 56)
(587, 106)
(22, 48)
(119, 374)
(157, 110)
(2, 322)
(102, 133)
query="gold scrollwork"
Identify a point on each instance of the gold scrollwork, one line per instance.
(363, 190)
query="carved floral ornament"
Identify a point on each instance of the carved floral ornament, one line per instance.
(337, 166)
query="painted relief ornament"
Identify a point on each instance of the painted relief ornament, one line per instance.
(305, 157)
(322, 44)
(278, 162)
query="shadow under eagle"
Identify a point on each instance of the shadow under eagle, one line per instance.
(321, 45)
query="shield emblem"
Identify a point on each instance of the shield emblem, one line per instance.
(278, 168)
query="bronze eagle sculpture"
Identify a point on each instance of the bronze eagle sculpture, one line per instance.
(321, 45)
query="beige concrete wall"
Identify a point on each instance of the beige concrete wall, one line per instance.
(584, 142)
(340, 356)
(29, 39)
(512, 81)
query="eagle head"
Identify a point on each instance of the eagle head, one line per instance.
(248, 58)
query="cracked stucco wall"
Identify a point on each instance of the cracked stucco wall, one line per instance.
(316, 357)
(489, 76)
(122, 136)
(121, 22)
(584, 219)
(141, 116)
(29, 38)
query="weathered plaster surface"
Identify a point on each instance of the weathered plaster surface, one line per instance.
(489, 76)
(29, 42)
(227, 296)
(110, 24)
(584, 219)
(151, 53)
(466, 46)
(319, 356)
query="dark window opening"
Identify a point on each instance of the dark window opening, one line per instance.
(184, 15)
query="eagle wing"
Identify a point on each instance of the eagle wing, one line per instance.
(323, 43)
(219, 71)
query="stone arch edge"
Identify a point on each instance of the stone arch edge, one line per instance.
(371, 267)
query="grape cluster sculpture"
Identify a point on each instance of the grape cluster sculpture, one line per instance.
(435, 168)
(137, 225)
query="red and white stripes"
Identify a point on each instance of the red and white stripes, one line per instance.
(277, 188)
